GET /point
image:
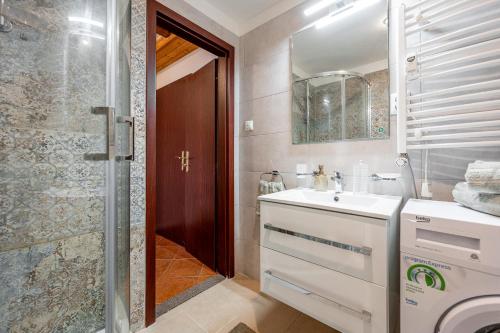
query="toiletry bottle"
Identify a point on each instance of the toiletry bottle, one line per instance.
(320, 179)
(360, 178)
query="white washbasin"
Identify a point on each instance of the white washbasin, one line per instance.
(379, 206)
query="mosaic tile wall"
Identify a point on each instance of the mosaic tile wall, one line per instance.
(356, 109)
(299, 112)
(380, 103)
(137, 172)
(51, 199)
(325, 110)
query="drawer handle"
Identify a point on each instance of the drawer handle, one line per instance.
(363, 314)
(364, 250)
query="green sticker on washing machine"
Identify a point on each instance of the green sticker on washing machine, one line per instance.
(426, 275)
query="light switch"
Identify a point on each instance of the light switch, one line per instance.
(249, 125)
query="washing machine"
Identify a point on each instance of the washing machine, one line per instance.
(450, 269)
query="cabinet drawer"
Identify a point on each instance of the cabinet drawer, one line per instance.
(345, 303)
(350, 244)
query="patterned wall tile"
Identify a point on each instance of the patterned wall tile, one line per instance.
(137, 276)
(66, 276)
(51, 243)
(137, 169)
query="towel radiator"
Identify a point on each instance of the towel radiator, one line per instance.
(448, 74)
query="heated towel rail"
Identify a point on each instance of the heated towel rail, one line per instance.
(448, 74)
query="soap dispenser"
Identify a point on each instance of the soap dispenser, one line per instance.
(320, 179)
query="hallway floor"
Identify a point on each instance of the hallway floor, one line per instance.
(220, 308)
(176, 270)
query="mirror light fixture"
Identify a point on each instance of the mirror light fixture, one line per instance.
(344, 11)
(318, 6)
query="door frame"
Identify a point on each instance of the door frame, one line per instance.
(159, 15)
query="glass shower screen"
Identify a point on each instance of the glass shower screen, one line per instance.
(64, 165)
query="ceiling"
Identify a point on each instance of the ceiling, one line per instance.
(242, 16)
(170, 48)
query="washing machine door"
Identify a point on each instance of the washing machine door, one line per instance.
(475, 315)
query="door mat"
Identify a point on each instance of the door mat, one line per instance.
(242, 328)
(187, 295)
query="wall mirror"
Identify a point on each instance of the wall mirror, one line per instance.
(340, 73)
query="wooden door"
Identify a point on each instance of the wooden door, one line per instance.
(200, 180)
(171, 105)
(186, 199)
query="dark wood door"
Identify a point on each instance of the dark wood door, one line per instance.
(171, 105)
(186, 199)
(200, 180)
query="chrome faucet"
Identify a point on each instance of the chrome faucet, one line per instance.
(338, 182)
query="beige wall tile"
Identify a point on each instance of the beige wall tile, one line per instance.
(268, 77)
(249, 188)
(264, 153)
(270, 114)
(249, 226)
(247, 255)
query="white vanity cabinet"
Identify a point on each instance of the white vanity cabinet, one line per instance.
(336, 262)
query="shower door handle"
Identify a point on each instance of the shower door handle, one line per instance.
(109, 112)
(130, 121)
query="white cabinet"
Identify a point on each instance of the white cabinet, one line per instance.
(338, 300)
(339, 268)
(350, 244)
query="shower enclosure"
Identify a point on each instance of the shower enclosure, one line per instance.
(331, 106)
(65, 149)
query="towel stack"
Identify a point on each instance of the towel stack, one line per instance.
(481, 191)
(268, 187)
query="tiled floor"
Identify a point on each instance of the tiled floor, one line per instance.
(176, 270)
(220, 308)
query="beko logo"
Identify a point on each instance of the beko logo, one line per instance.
(411, 302)
(422, 219)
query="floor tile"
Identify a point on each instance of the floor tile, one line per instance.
(176, 270)
(166, 252)
(162, 241)
(270, 317)
(161, 266)
(220, 308)
(307, 324)
(185, 267)
(212, 311)
(180, 323)
(171, 286)
(183, 254)
(246, 282)
(207, 271)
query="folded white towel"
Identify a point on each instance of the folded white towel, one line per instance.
(483, 173)
(481, 199)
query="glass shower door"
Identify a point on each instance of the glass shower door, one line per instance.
(64, 165)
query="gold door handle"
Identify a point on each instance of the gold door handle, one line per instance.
(186, 161)
(183, 159)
